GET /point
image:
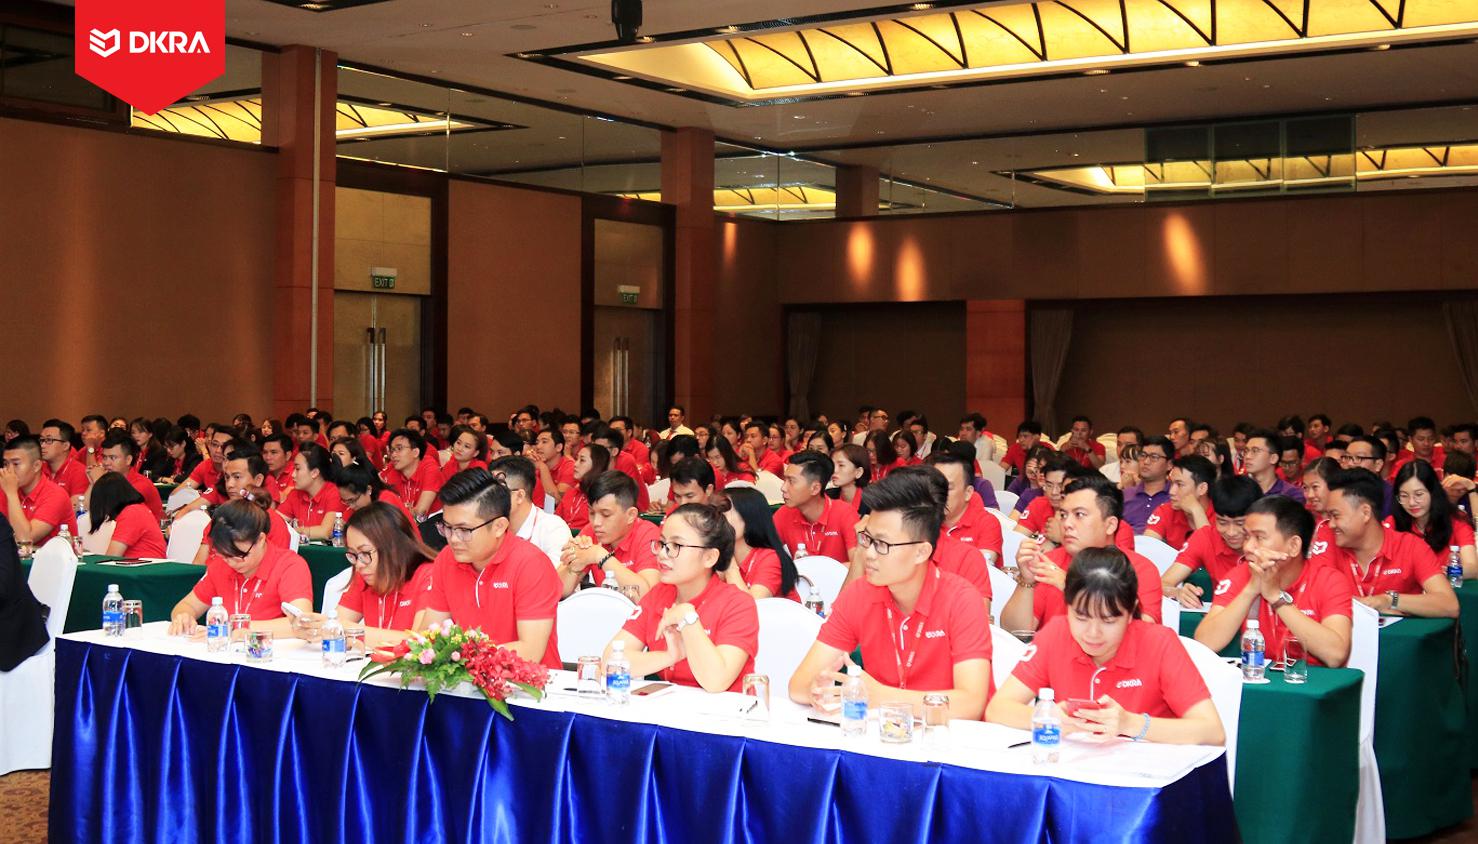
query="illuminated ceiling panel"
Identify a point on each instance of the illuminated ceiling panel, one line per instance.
(787, 199)
(239, 118)
(1009, 40)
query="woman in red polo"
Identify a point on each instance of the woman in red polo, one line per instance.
(135, 530)
(1113, 674)
(693, 628)
(390, 574)
(314, 496)
(469, 451)
(1423, 509)
(762, 567)
(574, 507)
(249, 574)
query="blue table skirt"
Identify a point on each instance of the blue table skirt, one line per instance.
(152, 747)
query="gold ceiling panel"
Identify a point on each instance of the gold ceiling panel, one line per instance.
(240, 119)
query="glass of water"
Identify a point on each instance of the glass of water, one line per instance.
(589, 679)
(259, 646)
(240, 625)
(1295, 661)
(133, 615)
(757, 686)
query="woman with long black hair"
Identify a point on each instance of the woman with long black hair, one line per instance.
(1422, 508)
(762, 566)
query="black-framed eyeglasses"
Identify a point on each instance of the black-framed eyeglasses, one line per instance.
(461, 534)
(664, 548)
(357, 557)
(239, 553)
(881, 546)
(1152, 456)
(50, 440)
(1359, 457)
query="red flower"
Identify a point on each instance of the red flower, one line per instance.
(384, 655)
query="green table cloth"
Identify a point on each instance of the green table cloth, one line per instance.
(324, 561)
(1467, 598)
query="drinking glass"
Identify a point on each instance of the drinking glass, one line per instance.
(589, 679)
(757, 686)
(133, 614)
(259, 646)
(240, 624)
(1295, 661)
(355, 646)
(895, 723)
(936, 717)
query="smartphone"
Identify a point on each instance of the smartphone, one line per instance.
(651, 690)
(1073, 704)
(292, 610)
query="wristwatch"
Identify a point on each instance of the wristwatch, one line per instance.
(1395, 598)
(690, 618)
(1284, 599)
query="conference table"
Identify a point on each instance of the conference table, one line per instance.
(155, 738)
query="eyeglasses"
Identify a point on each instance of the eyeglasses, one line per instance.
(396, 449)
(1251, 450)
(668, 550)
(50, 440)
(357, 557)
(882, 547)
(240, 554)
(1151, 456)
(1361, 458)
(461, 534)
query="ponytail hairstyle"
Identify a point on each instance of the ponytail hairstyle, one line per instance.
(713, 529)
(1101, 583)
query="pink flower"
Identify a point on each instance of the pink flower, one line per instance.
(456, 656)
(428, 656)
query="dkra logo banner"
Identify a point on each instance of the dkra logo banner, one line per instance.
(150, 55)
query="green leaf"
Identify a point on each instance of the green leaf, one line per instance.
(501, 708)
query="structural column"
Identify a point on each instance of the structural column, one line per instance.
(857, 191)
(296, 83)
(995, 362)
(687, 183)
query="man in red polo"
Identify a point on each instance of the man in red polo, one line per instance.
(556, 471)
(1090, 515)
(119, 454)
(921, 630)
(277, 451)
(488, 578)
(617, 542)
(35, 507)
(1392, 571)
(965, 516)
(207, 474)
(810, 523)
(410, 474)
(1055, 475)
(1216, 547)
(1189, 507)
(633, 447)
(1424, 444)
(1311, 602)
(94, 428)
(1082, 446)
(755, 453)
(622, 461)
(56, 458)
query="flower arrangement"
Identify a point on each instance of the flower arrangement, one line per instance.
(446, 655)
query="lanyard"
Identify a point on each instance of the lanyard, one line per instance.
(394, 605)
(241, 594)
(1365, 585)
(1275, 623)
(905, 665)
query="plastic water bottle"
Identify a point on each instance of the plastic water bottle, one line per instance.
(1254, 658)
(332, 631)
(814, 602)
(800, 551)
(217, 626)
(79, 506)
(73, 542)
(854, 703)
(618, 674)
(338, 534)
(1046, 729)
(1454, 568)
(113, 611)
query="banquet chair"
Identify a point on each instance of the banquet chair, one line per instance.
(1002, 587)
(27, 692)
(588, 620)
(1010, 543)
(185, 535)
(787, 631)
(334, 589)
(94, 543)
(1112, 471)
(770, 485)
(1370, 815)
(996, 475)
(824, 573)
(1001, 444)
(1170, 613)
(1006, 650)
(1110, 443)
(1158, 552)
(181, 496)
(1007, 500)
(293, 538)
(658, 490)
(1224, 681)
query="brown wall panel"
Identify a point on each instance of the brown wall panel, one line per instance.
(748, 330)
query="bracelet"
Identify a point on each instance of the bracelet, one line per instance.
(1143, 731)
(605, 559)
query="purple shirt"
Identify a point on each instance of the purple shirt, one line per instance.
(987, 493)
(1140, 505)
(1019, 486)
(1026, 498)
(1286, 489)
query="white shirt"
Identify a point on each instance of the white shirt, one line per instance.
(547, 531)
(672, 432)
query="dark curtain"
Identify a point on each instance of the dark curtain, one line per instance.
(804, 338)
(1051, 333)
(1462, 328)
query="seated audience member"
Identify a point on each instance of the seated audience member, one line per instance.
(1458, 471)
(1028, 484)
(94, 428)
(693, 628)
(1153, 489)
(35, 507)
(819, 441)
(1423, 433)
(632, 446)
(761, 565)
(810, 523)
(726, 466)
(691, 482)
(556, 471)
(1189, 508)
(1089, 518)
(360, 487)
(965, 517)
(410, 474)
(851, 473)
(973, 433)
(487, 578)
(249, 574)
(1055, 475)
(1335, 450)
(315, 498)
(277, 452)
(623, 462)
(346, 451)
(1464, 437)
(1310, 602)
(136, 532)
(950, 554)
(1292, 427)
(206, 475)
(16, 428)
(1179, 434)
(1216, 547)
(243, 475)
(1318, 434)
(984, 490)
(794, 437)
(616, 544)
(306, 430)
(1125, 473)
(1113, 673)
(1316, 500)
(1422, 509)
(1291, 460)
(545, 530)
(57, 464)
(881, 457)
(1082, 446)
(1260, 460)
(905, 449)
(1391, 571)
(755, 454)
(152, 462)
(677, 423)
(184, 455)
(469, 450)
(919, 427)
(1372, 453)
(574, 507)
(920, 629)
(1028, 437)
(119, 454)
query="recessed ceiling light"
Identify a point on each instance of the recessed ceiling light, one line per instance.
(727, 29)
(919, 7)
(798, 116)
(1193, 63)
(524, 55)
(975, 162)
(425, 26)
(621, 78)
(645, 39)
(466, 34)
(1381, 47)
(675, 90)
(313, 7)
(1097, 71)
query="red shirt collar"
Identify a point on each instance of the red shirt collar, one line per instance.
(1124, 657)
(925, 603)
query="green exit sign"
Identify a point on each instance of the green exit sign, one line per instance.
(383, 278)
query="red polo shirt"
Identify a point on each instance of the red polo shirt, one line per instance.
(48, 502)
(963, 560)
(1403, 564)
(1323, 539)
(762, 568)
(1038, 511)
(1048, 602)
(573, 508)
(1319, 593)
(977, 527)
(1016, 455)
(277, 532)
(452, 467)
(281, 577)
(311, 510)
(563, 472)
(1406, 455)
(1173, 525)
(206, 475)
(517, 584)
(631, 469)
(1462, 532)
(1150, 673)
(633, 551)
(728, 616)
(772, 462)
(72, 478)
(373, 449)
(833, 534)
(722, 479)
(280, 482)
(425, 478)
(150, 493)
(1081, 455)
(139, 532)
(1206, 549)
(641, 456)
(948, 626)
(395, 610)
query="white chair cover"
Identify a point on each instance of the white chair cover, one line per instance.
(1002, 587)
(1006, 651)
(94, 543)
(293, 539)
(1110, 443)
(333, 590)
(1170, 613)
(1001, 445)
(1006, 500)
(181, 496)
(1113, 471)
(770, 485)
(1224, 681)
(1159, 553)
(787, 631)
(27, 692)
(1010, 544)
(658, 491)
(1370, 813)
(185, 534)
(993, 472)
(588, 620)
(826, 574)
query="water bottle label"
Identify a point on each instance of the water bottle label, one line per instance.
(333, 646)
(854, 710)
(618, 682)
(112, 617)
(1253, 659)
(1046, 734)
(217, 631)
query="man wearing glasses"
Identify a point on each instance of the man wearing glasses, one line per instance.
(410, 474)
(921, 630)
(1261, 462)
(1041, 508)
(488, 578)
(35, 507)
(57, 464)
(1153, 489)
(546, 531)
(249, 574)
(1369, 453)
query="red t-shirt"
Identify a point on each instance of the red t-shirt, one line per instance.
(1038, 511)
(1048, 602)
(425, 478)
(1081, 455)
(72, 477)
(517, 584)
(948, 626)
(833, 534)
(281, 577)
(147, 489)
(452, 467)
(206, 475)
(562, 473)
(728, 616)
(280, 482)
(47, 502)
(311, 510)
(139, 532)
(762, 568)
(1403, 564)
(633, 551)
(977, 527)
(631, 469)
(1206, 549)
(574, 509)
(1173, 525)
(772, 462)
(395, 610)
(958, 558)
(1016, 455)
(1149, 673)
(1319, 593)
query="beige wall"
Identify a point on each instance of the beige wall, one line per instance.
(138, 274)
(378, 229)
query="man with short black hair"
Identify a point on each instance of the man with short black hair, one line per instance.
(1264, 448)
(691, 481)
(1179, 434)
(94, 428)
(1217, 547)
(119, 453)
(810, 523)
(1424, 446)
(546, 531)
(677, 422)
(755, 453)
(35, 507)
(1082, 445)
(965, 517)
(556, 472)
(1028, 437)
(410, 474)
(1189, 508)
(1319, 430)
(1153, 489)
(614, 442)
(640, 455)
(57, 464)
(617, 543)
(1464, 436)
(972, 431)
(277, 451)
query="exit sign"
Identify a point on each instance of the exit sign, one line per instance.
(383, 278)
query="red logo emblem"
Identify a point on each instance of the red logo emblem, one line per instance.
(150, 54)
